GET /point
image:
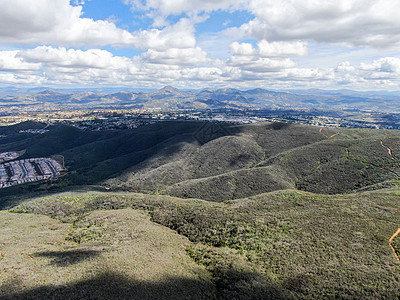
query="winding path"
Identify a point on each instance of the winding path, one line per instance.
(391, 240)
(389, 150)
(328, 136)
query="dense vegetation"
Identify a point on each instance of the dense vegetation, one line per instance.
(284, 244)
(219, 162)
(293, 212)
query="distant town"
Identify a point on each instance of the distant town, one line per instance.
(113, 119)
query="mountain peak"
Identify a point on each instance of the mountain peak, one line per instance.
(47, 92)
(170, 89)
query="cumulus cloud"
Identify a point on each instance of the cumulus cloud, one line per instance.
(179, 35)
(187, 67)
(307, 74)
(385, 65)
(261, 64)
(345, 67)
(267, 57)
(55, 22)
(9, 61)
(203, 74)
(296, 48)
(382, 68)
(50, 65)
(58, 65)
(175, 56)
(173, 45)
(18, 78)
(61, 57)
(243, 49)
(378, 74)
(270, 49)
(354, 22)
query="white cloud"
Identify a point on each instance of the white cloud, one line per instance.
(9, 61)
(261, 64)
(175, 56)
(94, 66)
(243, 49)
(308, 74)
(78, 2)
(345, 67)
(378, 74)
(179, 35)
(51, 65)
(55, 22)
(268, 57)
(389, 65)
(267, 49)
(270, 49)
(354, 22)
(203, 74)
(188, 67)
(61, 57)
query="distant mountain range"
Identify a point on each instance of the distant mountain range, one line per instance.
(170, 98)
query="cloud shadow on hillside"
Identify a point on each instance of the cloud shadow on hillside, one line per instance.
(111, 285)
(69, 257)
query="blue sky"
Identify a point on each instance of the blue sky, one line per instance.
(276, 44)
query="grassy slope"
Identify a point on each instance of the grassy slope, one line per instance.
(286, 244)
(119, 256)
(232, 185)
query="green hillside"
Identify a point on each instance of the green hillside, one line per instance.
(266, 157)
(215, 161)
(194, 210)
(279, 245)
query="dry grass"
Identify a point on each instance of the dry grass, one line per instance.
(284, 244)
(132, 258)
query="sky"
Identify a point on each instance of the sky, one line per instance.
(194, 44)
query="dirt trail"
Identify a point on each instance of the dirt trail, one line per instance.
(391, 240)
(389, 150)
(328, 136)
(394, 235)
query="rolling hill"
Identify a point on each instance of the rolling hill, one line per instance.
(258, 158)
(195, 210)
(217, 161)
(279, 245)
